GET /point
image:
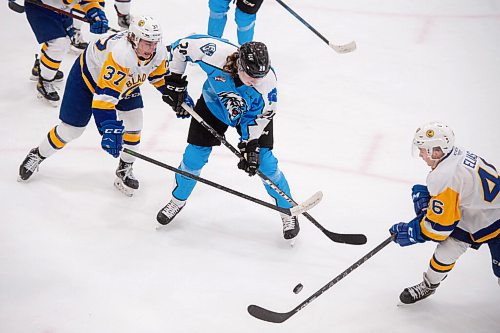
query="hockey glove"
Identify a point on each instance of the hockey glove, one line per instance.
(408, 233)
(176, 93)
(98, 21)
(251, 153)
(421, 197)
(112, 136)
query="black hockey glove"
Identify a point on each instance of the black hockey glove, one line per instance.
(251, 152)
(176, 93)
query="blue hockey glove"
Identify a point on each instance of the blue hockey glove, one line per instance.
(98, 21)
(407, 233)
(251, 153)
(112, 136)
(421, 197)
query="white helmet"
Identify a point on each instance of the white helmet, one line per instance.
(432, 135)
(144, 27)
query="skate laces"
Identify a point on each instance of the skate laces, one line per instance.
(48, 86)
(288, 222)
(171, 209)
(126, 171)
(33, 162)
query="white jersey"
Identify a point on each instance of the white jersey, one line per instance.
(464, 192)
(112, 70)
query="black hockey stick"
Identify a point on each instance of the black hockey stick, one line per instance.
(20, 9)
(279, 317)
(355, 239)
(16, 7)
(346, 48)
(297, 210)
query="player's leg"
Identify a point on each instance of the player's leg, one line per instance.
(196, 154)
(122, 8)
(442, 262)
(494, 246)
(218, 17)
(77, 42)
(50, 31)
(245, 16)
(74, 114)
(130, 111)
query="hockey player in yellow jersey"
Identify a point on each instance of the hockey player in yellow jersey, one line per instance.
(53, 31)
(459, 208)
(104, 82)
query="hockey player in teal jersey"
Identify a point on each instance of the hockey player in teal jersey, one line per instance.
(240, 91)
(459, 208)
(245, 16)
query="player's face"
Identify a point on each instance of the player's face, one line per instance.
(247, 79)
(145, 49)
(433, 160)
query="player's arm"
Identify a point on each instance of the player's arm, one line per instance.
(94, 12)
(442, 215)
(157, 77)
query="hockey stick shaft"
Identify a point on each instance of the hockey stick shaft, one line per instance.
(279, 317)
(313, 201)
(63, 12)
(338, 48)
(356, 239)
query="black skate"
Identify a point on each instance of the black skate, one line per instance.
(35, 71)
(167, 213)
(30, 164)
(291, 226)
(418, 292)
(123, 19)
(77, 42)
(47, 91)
(125, 181)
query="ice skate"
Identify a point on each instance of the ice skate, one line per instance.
(77, 42)
(291, 226)
(123, 19)
(125, 181)
(167, 213)
(418, 292)
(47, 92)
(30, 165)
(35, 72)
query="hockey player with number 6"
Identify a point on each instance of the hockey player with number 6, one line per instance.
(104, 82)
(240, 91)
(459, 208)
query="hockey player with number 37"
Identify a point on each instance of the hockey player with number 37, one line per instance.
(240, 91)
(104, 82)
(459, 208)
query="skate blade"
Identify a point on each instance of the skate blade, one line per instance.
(20, 180)
(122, 188)
(54, 104)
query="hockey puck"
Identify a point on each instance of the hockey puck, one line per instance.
(298, 288)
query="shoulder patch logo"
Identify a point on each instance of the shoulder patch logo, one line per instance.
(234, 104)
(208, 49)
(272, 96)
(220, 78)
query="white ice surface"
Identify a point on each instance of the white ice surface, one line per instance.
(76, 256)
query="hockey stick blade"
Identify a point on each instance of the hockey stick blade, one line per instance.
(353, 239)
(306, 205)
(16, 7)
(279, 317)
(346, 48)
(267, 315)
